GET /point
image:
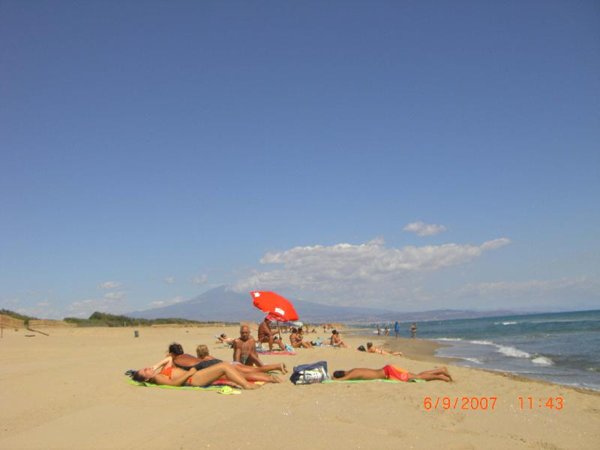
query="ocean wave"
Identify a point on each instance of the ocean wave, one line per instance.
(542, 361)
(473, 360)
(505, 323)
(512, 352)
(449, 339)
(482, 342)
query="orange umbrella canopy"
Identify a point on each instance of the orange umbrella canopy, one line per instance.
(275, 305)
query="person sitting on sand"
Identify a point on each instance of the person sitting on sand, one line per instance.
(244, 348)
(336, 340)
(390, 372)
(265, 334)
(223, 339)
(204, 360)
(297, 339)
(372, 349)
(168, 374)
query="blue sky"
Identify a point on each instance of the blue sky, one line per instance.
(408, 155)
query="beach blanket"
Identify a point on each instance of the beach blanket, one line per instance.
(219, 388)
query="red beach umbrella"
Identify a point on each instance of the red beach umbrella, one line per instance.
(276, 306)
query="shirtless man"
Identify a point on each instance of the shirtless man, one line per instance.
(244, 348)
(265, 334)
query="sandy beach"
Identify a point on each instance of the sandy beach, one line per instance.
(67, 390)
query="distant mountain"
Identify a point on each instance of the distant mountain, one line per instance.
(221, 304)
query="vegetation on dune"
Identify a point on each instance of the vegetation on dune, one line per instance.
(99, 319)
(15, 315)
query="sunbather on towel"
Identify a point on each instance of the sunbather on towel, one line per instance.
(168, 374)
(390, 372)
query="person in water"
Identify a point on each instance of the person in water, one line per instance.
(390, 372)
(168, 374)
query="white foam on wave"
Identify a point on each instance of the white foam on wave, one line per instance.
(512, 352)
(505, 323)
(542, 361)
(473, 360)
(449, 339)
(482, 342)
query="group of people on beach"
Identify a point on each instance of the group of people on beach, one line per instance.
(181, 369)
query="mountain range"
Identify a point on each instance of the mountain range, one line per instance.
(222, 304)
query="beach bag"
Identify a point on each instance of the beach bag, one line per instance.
(310, 373)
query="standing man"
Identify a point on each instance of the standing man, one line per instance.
(244, 348)
(265, 334)
(397, 329)
(413, 330)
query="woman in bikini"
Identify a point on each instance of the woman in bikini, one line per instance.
(390, 372)
(165, 373)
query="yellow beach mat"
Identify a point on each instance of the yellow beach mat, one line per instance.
(219, 389)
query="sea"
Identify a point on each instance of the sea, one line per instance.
(561, 347)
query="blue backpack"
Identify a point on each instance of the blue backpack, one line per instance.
(310, 373)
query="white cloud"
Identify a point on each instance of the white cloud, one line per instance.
(200, 279)
(171, 301)
(358, 270)
(109, 285)
(41, 310)
(111, 302)
(424, 229)
(170, 280)
(118, 295)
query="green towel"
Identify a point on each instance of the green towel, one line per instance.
(225, 390)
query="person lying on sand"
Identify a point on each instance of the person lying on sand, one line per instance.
(390, 372)
(186, 362)
(372, 349)
(223, 339)
(167, 374)
(336, 339)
